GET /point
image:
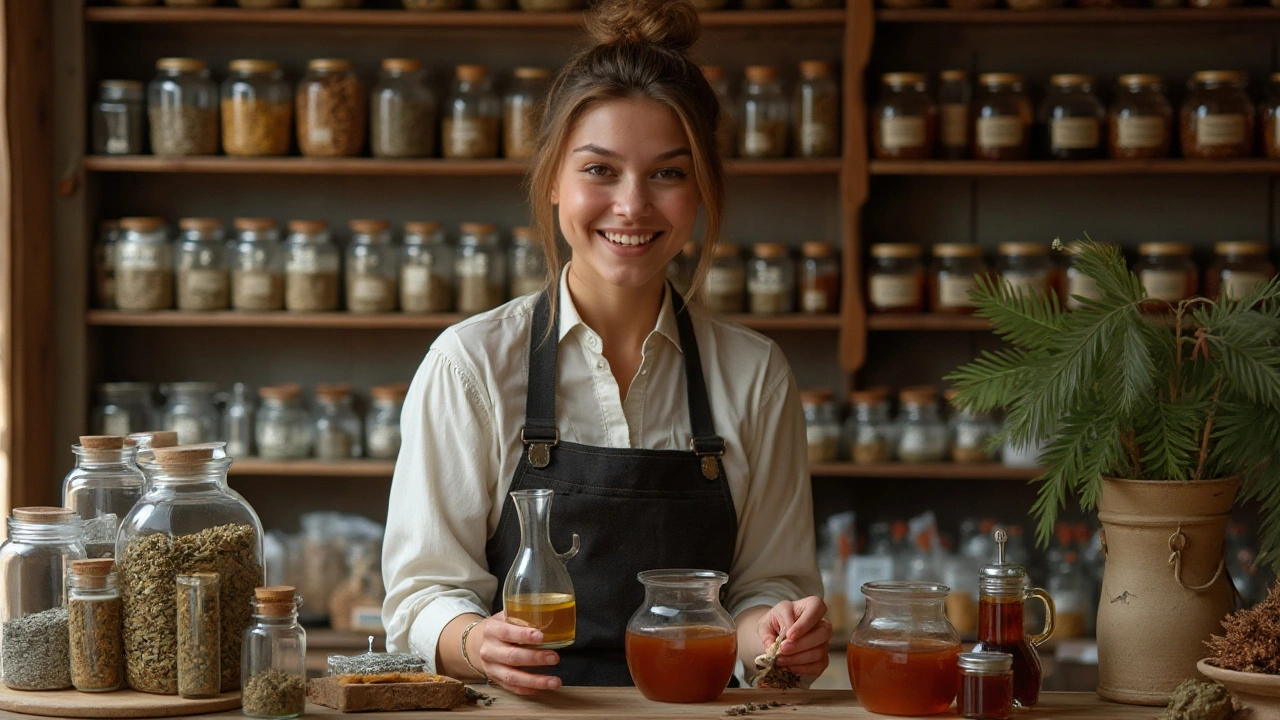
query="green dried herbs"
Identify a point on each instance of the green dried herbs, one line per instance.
(36, 651)
(199, 645)
(274, 694)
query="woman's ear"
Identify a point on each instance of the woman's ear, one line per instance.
(555, 193)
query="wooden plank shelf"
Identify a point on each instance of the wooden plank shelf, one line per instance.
(926, 321)
(1078, 16)
(256, 467)
(938, 471)
(1048, 168)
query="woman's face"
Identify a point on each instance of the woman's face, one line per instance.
(625, 191)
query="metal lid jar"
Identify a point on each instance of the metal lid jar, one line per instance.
(257, 266)
(763, 115)
(528, 263)
(953, 275)
(1001, 118)
(480, 269)
(200, 264)
(144, 265)
(1140, 119)
(402, 111)
(310, 267)
(1238, 270)
(895, 280)
(815, 107)
(257, 109)
(471, 115)
(282, 429)
(771, 279)
(336, 427)
(986, 685)
(1026, 268)
(1217, 116)
(904, 123)
(373, 268)
(118, 118)
(1072, 117)
(182, 107)
(331, 110)
(101, 489)
(520, 111)
(1168, 274)
(726, 284)
(426, 269)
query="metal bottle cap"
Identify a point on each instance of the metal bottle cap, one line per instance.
(986, 663)
(1003, 576)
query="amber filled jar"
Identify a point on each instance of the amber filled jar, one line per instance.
(1025, 267)
(895, 279)
(954, 273)
(1270, 128)
(1167, 272)
(726, 284)
(986, 685)
(1141, 119)
(1217, 116)
(331, 110)
(819, 278)
(763, 115)
(955, 98)
(521, 108)
(1238, 270)
(470, 128)
(771, 279)
(816, 111)
(257, 109)
(1072, 116)
(904, 123)
(1001, 118)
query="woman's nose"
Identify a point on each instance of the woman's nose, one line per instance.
(633, 199)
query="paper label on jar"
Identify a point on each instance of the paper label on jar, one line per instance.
(814, 134)
(205, 281)
(416, 280)
(254, 284)
(725, 281)
(1074, 133)
(1237, 285)
(999, 132)
(304, 260)
(1082, 285)
(953, 290)
(320, 135)
(141, 257)
(756, 142)
(1026, 283)
(188, 428)
(466, 136)
(1167, 285)
(813, 301)
(1220, 130)
(894, 290)
(955, 124)
(767, 280)
(1140, 132)
(473, 265)
(902, 132)
(369, 289)
(117, 146)
(117, 425)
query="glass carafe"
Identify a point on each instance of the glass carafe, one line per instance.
(538, 592)
(681, 645)
(102, 489)
(902, 656)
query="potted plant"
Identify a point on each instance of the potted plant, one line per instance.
(1156, 419)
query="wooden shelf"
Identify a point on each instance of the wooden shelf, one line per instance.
(925, 321)
(254, 467)
(940, 471)
(1078, 16)
(1046, 168)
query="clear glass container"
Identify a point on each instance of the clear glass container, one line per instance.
(1077, 284)
(201, 265)
(955, 98)
(727, 132)
(1002, 591)
(763, 115)
(538, 591)
(681, 644)
(986, 686)
(144, 265)
(95, 613)
(190, 411)
(681, 269)
(1002, 118)
(199, 635)
(182, 107)
(101, 489)
(118, 118)
(257, 109)
(1072, 118)
(1168, 274)
(528, 263)
(895, 278)
(726, 285)
(331, 110)
(904, 123)
(1268, 111)
(771, 279)
(426, 269)
(1141, 118)
(338, 434)
(1026, 268)
(237, 422)
(274, 667)
(402, 107)
(922, 435)
(282, 428)
(1238, 270)
(34, 640)
(954, 273)
(373, 268)
(521, 111)
(815, 107)
(1217, 116)
(472, 115)
(311, 267)
(257, 266)
(869, 434)
(148, 440)
(382, 424)
(822, 426)
(819, 278)
(124, 408)
(970, 433)
(480, 269)
(105, 261)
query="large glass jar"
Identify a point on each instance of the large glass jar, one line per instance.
(869, 435)
(273, 666)
(1217, 116)
(310, 267)
(726, 285)
(402, 111)
(182, 107)
(372, 268)
(190, 411)
(331, 110)
(257, 109)
(1271, 128)
(282, 428)
(970, 433)
(1072, 117)
(528, 263)
(954, 273)
(117, 118)
(1026, 268)
(922, 435)
(816, 111)
(954, 100)
(187, 520)
(101, 489)
(1001, 118)
(123, 408)
(819, 278)
(105, 261)
(727, 132)
(480, 269)
(822, 426)
(1141, 118)
(895, 279)
(1077, 284)
(771, 279)
(34, 640)
(382, 425)
(762, 115)
(144, 265)
(95, 612)
(337, 431)
(1238, 270)
(471, 116)
(257, 268)
(904, 123)
(1168, 274)
(200, 264)
(426, 269)
(681, 644)
(521, 111)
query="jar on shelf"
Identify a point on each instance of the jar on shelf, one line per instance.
(1217, 116)
(336, 427)
(1026, 268)
(281, 427)
(762, 115)
(426, 269)
(117, 118)
(955, 98)
(182, 107)
(816, 112)
(471, 116)
(681, 269)
(257, 266)
(1141, 118)
(904, 123)
(1167, 272)
(528, 263)
(1072, 117)
(1270, 128)
(726, 284)
(822, 426)
(257, 109)
(953, 275)
(144, 265)
(190, 411)
(402, 111)
(331, 110)
(101, 489)
(372, 268)
(200, 264)
(123, 408)
(970, 433)
(818, 279)
(1076, 284)
(1238, 270)
(895, 278)
(727, 132)
(480, 269)
(1001, 118)
(105, 260)
(237, 422)
(42, 543)
(922, 435)
(771, 280)
(94, 625)
(274, 668)
(522, 111)
(311, 263)
(869, 434)
(382, 425)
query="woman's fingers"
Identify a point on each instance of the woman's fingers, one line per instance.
(818, 637)
(503, 655)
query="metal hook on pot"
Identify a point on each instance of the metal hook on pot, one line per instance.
(1178, 543)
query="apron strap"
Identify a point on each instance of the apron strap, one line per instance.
(705, 442)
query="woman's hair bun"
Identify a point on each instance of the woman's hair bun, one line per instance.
(672, 24)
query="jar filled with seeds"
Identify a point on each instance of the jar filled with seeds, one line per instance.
(123, 408)
(372, 268)
(681, 269)
(311, 263)
(955, 98)
(970, 433)
(200, 264)
(904, 122)
(1026, 268)
(257, 266)
(95, 618)
(187, 521)
(337, 431)
(1238, 270)
(822, 427)
(274, 660)
(182, 106)
(1001, 118)
(101, 489)
(1077, 286)
(331, 110)
(1141, 118)
(528, 263)
(426, 269)
(763, 115)
(480, 269)
(190, 411)
(816, 111)
(726, 286)
(382, 425)
(1072, 117)
(402, 111)
(34, 638)
(471, 117)
(819, 278)
(922, 435)
(895, 279)
(144, 265)
(954, 273)
(105, 259)
(727, 132)
(282, 428)
(199, 634)
(771, 279)
(869, 433)
(1168, 274)
(521, 111)
(1217, 116)
(118, 118)
(257, 109)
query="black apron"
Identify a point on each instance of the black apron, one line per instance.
(633, 509)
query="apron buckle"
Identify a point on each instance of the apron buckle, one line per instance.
(708, 449)
(540, 450)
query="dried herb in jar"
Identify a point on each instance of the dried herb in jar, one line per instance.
(257, 290)
(35, 651)
(199, 635)
(95, 612)
(252, 127)
(274, 693)
(331, 110)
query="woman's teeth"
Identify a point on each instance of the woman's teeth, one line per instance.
(621, 239)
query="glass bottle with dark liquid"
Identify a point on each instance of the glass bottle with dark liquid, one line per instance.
(1002, 592)
(538, 592)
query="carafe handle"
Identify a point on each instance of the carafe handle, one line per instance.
(1050, 615)
(566, 555)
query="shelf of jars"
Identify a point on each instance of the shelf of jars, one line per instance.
(1079, 16)
(926, 321)
(1048, 168)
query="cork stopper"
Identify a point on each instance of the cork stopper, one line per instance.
(713, 73)
(814, 69)
(1071, 79)
(999, 79)
(401, 65)
(329, 65)
(953, 76)
(726, 250)
(275, 601)
(895, 250)
(1240, 247)
(869, 396)
(158, 438)
(533, 73)
(43, 515)
(125, 85)
(817, 249)
(308, 226)
(101, 442)
(284, 392)
(1132, 79)
(956, 250)
(393, 392)
(471, 73)
(816, 396)
(97, 567)
(1015, 249)
(476, 228)
(141, 224)
(183, 455)
(769, 250)
(332, 391)
(1164, 248)
(761, 73)
(200, 224)
(523, 235)
(918, 394)
(1220, 76)
(253, 66)
(904, 78)
(369, 227)
(255, 224)
(423, 227)
(177, 64)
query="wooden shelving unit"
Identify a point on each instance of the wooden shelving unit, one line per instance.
(1078, 16)
(926, 321)
(1060, 168)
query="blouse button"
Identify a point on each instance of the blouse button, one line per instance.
(599, 364)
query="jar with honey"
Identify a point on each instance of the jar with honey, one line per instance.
(1026, 268)
(1168, 274)
(1002, 117)
(538, 592)
(904, 124)
(1073, 118)
(1217, 117)
(681, 644)
(1140, 119)
(955, 271)
(895, 280)
(1238, 270)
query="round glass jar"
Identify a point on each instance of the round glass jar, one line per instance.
(331, 110)
(426, 269)
(94, 609)
(727, 133)
(1217, 116)
(818, 280)
(472, 115)
(123, 408)
(922, 435)
(1077, 284)
(105, 259)
(726, 284)
(1001, 118)
(101, 489)
(763, 114)
(480, 269)
(1167, 272)
(310, 267)
(1026, 268)
(822, 426)
(190, 411)
(521, 111)
(118, 118)
(680, 644)
(257, 109)
(382, 424)
(1270, 127)
(200, 265)
(372, 268)
(953, 275)
(1141, 119)
(528, 264)
(986, 685)
(282, 428)
(257, 266)
(1238, 269)
(771, 278)
(337, 431)
(904, 122)
(273, 666)
(144, 265)
(869, 434)
(970, 433)
(402, 111)
(895, 278)
(182, 107)
(1072, 117)
(816, 112)
(955, 99)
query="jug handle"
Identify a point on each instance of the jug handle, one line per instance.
(571, 551)
(1178, 543)
(1049, 615)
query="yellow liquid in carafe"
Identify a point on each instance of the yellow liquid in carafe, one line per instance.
(555, 614)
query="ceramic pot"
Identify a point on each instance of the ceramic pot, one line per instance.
(1259, 693)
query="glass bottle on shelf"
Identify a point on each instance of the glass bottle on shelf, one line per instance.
(257, 109)
(1072, 117)
(954, 100)
(954, 273)
(1217, 116)
(426, 269)
(1001, 118)
(819, 278)
(372, 268)
(338, 435)
(123, 408)
(200, 264)
(1141, 118)
(771, 280)
(118, 118)
(521, 111)
(895, 279)
(726, 284)
(257, 267)
(102, 488)
(182, 108)
(382, 425)
(822, 427)
(869, 434)
(311, 267)
(105, 261)
(1270, 126)
(970, 432)
(471, 116)
(480, 269)
(904, 123)
(402, 111)
(237, 422)
(199, 634)
(922, 435)
(727, 133)
(762, 115)
(1238, 269)
(816, 112)
(94, 610)
(331, 110)
(1167, 272)
(282, 428)
(190, 411)
(273, 666)
(528, 264)
(144, 265)
(1025, 267)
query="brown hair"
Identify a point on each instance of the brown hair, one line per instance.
(639, 50)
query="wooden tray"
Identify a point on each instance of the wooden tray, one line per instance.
(118, 704)
(327, 691)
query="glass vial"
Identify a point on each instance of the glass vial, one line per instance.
(954, 100)
(816, 111)
(471, 115)
(402, 111)
(273, 666)
(95, 612)
(117, 118)
(763, 115)
(522, 109)
(199, 635)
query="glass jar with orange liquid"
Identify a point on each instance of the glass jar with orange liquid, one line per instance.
(902, 656)
(681, 644)
(538, 592)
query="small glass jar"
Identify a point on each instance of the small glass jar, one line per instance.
(310, 267)
(970, 433)
(199, 633)
(1268, 111)
(372, 268)
(1217, 116)
(954, 100)
(895, 278)
(1239, 269)
(726, 285)
(282, 428)
(331, 110)
(471, 116)
(190, 411)
(123, 408)
(1141, 119)
(869, 434)
(101, 489)
(771, 280)
(480, 269)
(105, 260)
(528, 263)
(402, 111)
(95, 613)
(818, 279)
(681, 269)
(522, 109)
(727, 132)
(1072, 118)
(1026, 268)
(237, 422)
(257, 109)
(822, 427)
(426, 269)
(338, 435)
(1168, 274)
(922, 435)
(200, 264)
(117, 118)
(273, 666)
(382, 425)
(182, 107)
(1077, 284)
(763, 114)
(904, 123)
(257, 266)
(144, 269)
(986, 685)
(816, 110)
(953, 275)
(1001, 118)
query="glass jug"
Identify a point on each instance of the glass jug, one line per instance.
(1002, 591)
(681, 644)
(902, 656)
(538, 592)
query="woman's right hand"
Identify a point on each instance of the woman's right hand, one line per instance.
(498, 645)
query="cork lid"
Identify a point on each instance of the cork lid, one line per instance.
(477, 228)
(1129, 79)
(817, 249)
(522, 234)
(533, 73)
(96, 567)
(903, 78)
(423, 227)
(253, 66)
(1275, 77)
(713, 73)
(254, 224)
(308, 226)
(1164, 248)
(954, 250)
(332, 391)
(393, 392)
(369, 226)
(816, 396)
(471, 73)
(141, 224)
(329, 65)
(769, 250)
(275, 601)
(918, 394)
(183, 454)
(953, 75)
(895, 250)
(950, 394)
(761, 73)
(1070, 79)
(1023, 248)
(1220, 76)
(179, 64)
(126, 85)
(159, 438)
(200, 224)
(43, 515)
(726, 249)
(813, 69)
(401, 65)
(1000, 78)
(869, 396)
(101, 442)
(288, 391)
(1240, 247)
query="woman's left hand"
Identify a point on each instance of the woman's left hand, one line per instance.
(804, 650)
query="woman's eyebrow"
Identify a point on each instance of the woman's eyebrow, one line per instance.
(605, 152)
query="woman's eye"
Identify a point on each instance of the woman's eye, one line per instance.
(670, 174)
(597, 170)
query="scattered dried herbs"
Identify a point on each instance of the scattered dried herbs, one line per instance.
(97, 663)
(274, 694)
(1252, 641)
(768, 674)
(1195, 700)
(752, 707)
(36, 651)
